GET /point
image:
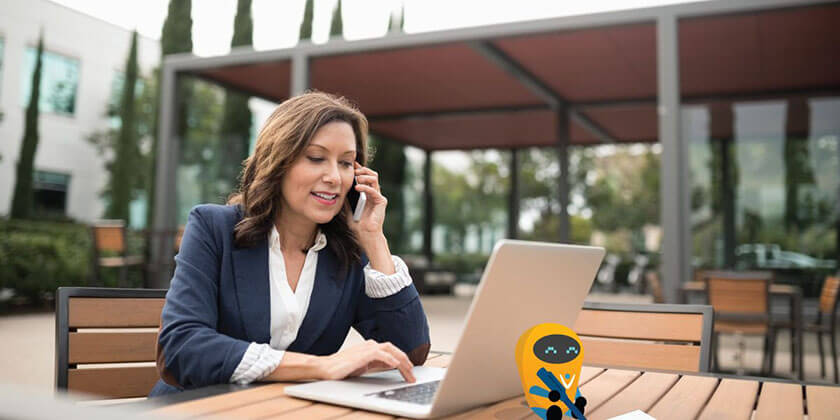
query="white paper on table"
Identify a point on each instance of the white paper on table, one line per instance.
(634, 415)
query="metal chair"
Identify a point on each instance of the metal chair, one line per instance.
(826, 322)
(741, 301)
(135, 312)
(667, 337)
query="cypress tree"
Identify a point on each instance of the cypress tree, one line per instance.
(22, 198)
(401, 27)
(126, 150)
(236, 122)
(390, 162)
(306, 24)
(336, 25)
(176, 37)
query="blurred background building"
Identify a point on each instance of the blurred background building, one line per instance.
(83, 65)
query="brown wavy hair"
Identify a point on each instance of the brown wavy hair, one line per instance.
(281, 141)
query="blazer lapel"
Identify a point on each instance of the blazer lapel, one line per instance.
(326, 294)
(250, 266)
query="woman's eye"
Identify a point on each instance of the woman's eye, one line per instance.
(347, 164)
(315, 159)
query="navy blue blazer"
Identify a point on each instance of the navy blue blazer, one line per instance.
(218, 303)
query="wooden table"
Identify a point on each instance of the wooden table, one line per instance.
(610, 392)
(787, 291)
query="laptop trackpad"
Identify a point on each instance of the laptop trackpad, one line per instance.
(366, 384)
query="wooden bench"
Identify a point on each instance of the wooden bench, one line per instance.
(666, 337)
(105, 340)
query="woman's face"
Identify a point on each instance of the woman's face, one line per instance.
(315, 186)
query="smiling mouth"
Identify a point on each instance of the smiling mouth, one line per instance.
(327, 199)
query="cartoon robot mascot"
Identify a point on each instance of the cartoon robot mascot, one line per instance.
(549, 357)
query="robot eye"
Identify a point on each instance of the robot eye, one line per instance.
(556, 348)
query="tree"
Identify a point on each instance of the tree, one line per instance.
(390, 162)
(236, 121)
(306, 24)
(23, 195)
(176, 37)
(119, 183)
(336, 25)
(401, 27)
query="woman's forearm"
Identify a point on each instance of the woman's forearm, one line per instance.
(296, 366)
(376, 248)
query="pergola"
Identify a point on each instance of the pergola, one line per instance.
(615, 77)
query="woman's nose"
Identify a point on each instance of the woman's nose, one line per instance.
(332, 175)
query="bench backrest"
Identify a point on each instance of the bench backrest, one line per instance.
(746, 292)
(105, 340)
(828, 296)
(667, 337)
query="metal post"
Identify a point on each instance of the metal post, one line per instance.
(300, 74)
(728, 200)
(429, 210)
(167, 166)
(674, 188)
(563, 134)
(513, 198)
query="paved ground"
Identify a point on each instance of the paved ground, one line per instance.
(28, 341)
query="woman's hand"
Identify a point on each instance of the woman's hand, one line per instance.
(365, 357)
(373, 217)
(368, 230)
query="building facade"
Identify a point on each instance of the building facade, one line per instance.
(83, 57)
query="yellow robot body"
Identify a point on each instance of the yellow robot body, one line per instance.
(556, 348)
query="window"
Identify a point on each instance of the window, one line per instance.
(59, 82)
(117, 83)
(50, 192)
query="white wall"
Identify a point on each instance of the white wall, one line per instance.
(101, 49)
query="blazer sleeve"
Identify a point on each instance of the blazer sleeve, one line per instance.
(191, 352)
(398, 318)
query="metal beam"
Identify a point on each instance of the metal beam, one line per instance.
(539, 88)
(674, 193)
(164, 219)
(247, 55)
(563, 141)
(300, 74)
(513, 198)
(429, 208)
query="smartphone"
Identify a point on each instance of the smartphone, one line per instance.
(357, 201)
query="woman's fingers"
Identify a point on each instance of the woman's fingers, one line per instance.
(405, 365)
(372, 193)
(368, 180)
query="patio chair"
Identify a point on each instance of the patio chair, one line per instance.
(131, 317)
(667, 337)
(826, 322)
(741, 301)
(654, 286)
(109, 237)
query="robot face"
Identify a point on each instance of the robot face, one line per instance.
(557, 348)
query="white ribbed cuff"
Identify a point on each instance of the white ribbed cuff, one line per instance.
(380, 285)
(257, 363)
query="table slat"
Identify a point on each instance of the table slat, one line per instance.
(604, 386)
(685, 399)
(262, 409)
(365, 415)
(639, 395)
(315, 411)
(512, 408)
(440, 361)
(210, 405)
(823, 402)
(780, 401)
(733, 399)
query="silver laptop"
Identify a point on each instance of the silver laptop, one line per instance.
(524, 284)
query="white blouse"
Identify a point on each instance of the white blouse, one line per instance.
(288, 307)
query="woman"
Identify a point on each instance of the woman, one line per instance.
(267, 287)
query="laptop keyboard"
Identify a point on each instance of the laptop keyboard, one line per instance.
(417, 394)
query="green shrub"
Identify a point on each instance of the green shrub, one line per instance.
(38, 257)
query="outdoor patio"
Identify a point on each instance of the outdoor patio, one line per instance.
(30, 341)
